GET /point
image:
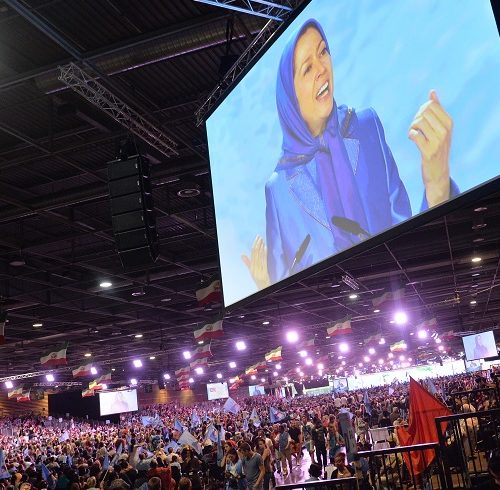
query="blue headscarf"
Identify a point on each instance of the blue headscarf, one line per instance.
(333, 168)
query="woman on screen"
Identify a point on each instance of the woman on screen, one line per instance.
(336, 182)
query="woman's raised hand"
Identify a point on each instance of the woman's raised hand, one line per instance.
(257, 263)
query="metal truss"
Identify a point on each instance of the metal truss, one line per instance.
(89, 88)
(58, 383)
(260, 8)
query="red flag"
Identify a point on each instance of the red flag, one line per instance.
(424, 408)
(210, 293)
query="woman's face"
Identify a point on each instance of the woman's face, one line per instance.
(313, 80)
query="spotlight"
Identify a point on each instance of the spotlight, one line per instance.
(422, 334)
(278, 366)
(390, 355)
(240, 345)
(401, 357)
(275, 373)
(93, 370)
(366, 359)
(138, 335)
(199, 370)
(343, 347)
(292, 336)
(473, 302)
(309, 361)
(186, 354)
(265, 323)
(37, 324)
(9, 385)
(400, 318)
(219, 376)
(152, 358)
(360, 364)
(371, 351)
(381, 361)
(105, 284)
(191, 380)
(320, 366)
(438, 341)
(343, 363)
(381, 341)
(232, 364)
(303, 353)
(166, 376)
(49, 377)
(376, 310)
(353, 296)
(475, 259)
(253, 376)
(262, 380)
(440, 347)
(87, 354)
(137, 363)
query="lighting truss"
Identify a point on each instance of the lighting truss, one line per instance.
(246, 57)
(89, 88)
(260, 8)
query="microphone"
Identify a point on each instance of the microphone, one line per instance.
(300, 253)
(350, 226)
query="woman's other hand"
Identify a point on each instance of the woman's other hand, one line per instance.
(431, 131)
(257, 263)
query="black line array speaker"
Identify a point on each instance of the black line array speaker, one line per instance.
(132, 211)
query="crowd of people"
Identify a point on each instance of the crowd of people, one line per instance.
(170, 447)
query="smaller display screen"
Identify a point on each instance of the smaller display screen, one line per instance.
(256, 390)
(480, 346)
(215, 391)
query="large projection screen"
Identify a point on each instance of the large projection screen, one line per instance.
(359, 116)
(480, 346)
(111, 402)
(216, 391)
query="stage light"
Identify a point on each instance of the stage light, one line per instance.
(186, 354)
(262, 380)
(199, 370)
(371, 351)
(422, 334)
(400, 317)
(440, 347)
(376, 311)
(401, 357)
(253, 377)
(297, 369)
(381, 341)
(133, 382)
(49, 377)
(201, 342)
(240, 345)
(366, 359)
(137, 363)
(232, 364)
(360, 364)
(275, 373)
(353, 296)
(152, 358)
(105, 284)
(292, 336)
(320, 366)
(87, 354)
(104, 386)
(166, 376)
(390, 355)
(343, 347)
(473, 302)
(309, 361)
(37, 324)
(278, 366)
(93, 370)
(191, 380)
(265, 323)
(9, 385)
(381, 361)
(475, 259)
(138, 335)
(343, 363)
(303, 353)
(219, 376)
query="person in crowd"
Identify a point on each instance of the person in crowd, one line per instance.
(253, 467)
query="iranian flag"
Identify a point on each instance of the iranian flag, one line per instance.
(82, 371)
(94, 386)
(340, 327)
(389, 296)
(427, 324)
(209, 294)
(15, 393)
(203, 363)
(307, 343)
(372, 339)
(209, 331)
(182, 372)
(105, 378)
(24, 396)
(87, 393)
(274, 355)
(3, 321)
(56, 357)
(202, 352)
(398, 346)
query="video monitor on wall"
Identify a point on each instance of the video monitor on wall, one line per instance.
(255, 390)
(357, 117)
(480, 346)
(215, 391)
(121, 401)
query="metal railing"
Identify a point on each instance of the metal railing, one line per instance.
(417, 466)
(473, 397)
(466, 445)
(333, 484)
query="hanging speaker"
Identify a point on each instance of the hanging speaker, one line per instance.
(132, 211)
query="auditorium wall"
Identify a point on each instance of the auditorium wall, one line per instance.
(13, 407)
(187, 397)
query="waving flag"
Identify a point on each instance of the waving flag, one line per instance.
(251, 370)
(195, 419)
(427, 324)
(274, 355)
(117, 455)
(396, 295)
(64, 436)
(398, 346)
(340, 327)
(275, 415)
(87, 393)
(105, 463)
(307, 343)
(254, 418)
(368, 405)
(209, 331)
(261, 366)
(231, 406)
(202, 351)
(373, 339)
(105, 378)
(212, 433)
(178, 426)
(210, 293)
(188, 439)
(24, 397)
(203, 363)
(82, 371)
(56, 357)
(15, 393)
(245, 424)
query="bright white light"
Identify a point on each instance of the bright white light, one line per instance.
(401, 357)
(390, 355)
(292, 336)
(343, 363)
(422, 334)
(275, 373)
(473, 302)
(400, 317)
(265, 323)
(320, 366)
(376, 311)
(232, 380)
(87, 354)
(381, 341)
(138, 335)
(219, 376)
(366, 359)
(191, 380)
(186, 354)
(438, 341)
(240, 345)
(309, 361)
(199, 370)
(371, 351)
(360, 364)
(133, 382)
(9, 385)
(303, 353)
(104, 386)
(440, 347)
(476, 259)
(278, 366)
(262, 380)
(38, 324)
(253, 377)
(166, 376)
(343, 347)
(152, 358)
(381, 361)
(93, 370)
(137, 363)
(105, 284)
(49, 377)
(353, 296)
(297, 369)
(201, 342)
(232, 364)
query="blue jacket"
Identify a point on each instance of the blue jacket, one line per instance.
(294, 207)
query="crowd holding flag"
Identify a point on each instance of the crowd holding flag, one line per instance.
(209, 331)
(254, 418)
(340, 327)
(231, 406)
(55, 357)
